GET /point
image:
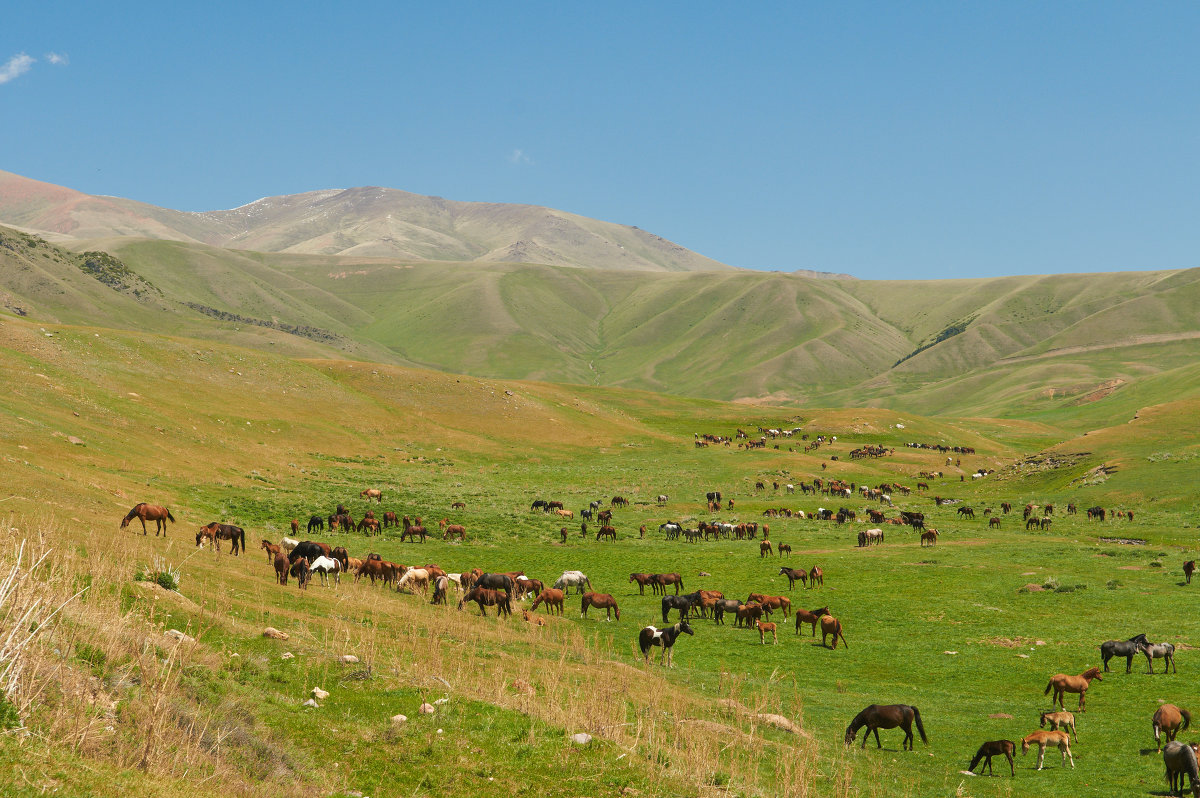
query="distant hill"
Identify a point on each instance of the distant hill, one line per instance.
(359, 222)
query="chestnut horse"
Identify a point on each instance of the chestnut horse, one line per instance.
(216, 532)
(373, 493)
(601, 601)
(1170, 719)
(876, 717)
(149, 512)
(486, 597)
(281, 568)
(814, 617)
(553, 599)
(1063, 683)
(832, 626)
(816, 576)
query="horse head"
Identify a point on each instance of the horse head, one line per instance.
(685, 628)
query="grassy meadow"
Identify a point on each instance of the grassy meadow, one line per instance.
(95, 420)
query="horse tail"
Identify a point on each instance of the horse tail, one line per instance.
(920, 726)
(1049, 687)
(680, 583)
(1187, 717)
(170, 517)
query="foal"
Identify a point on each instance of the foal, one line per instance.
(1044, 738)
(763, 628)
(991, 749)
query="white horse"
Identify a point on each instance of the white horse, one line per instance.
(288, 544)
(327, 565)
(576, 579)
(791, 488)
(416, 579)
(663, 498)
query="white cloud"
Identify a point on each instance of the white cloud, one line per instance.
(519, 156)
(16, 66)
(58, 59)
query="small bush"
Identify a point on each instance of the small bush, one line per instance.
(1156, 564)
(1065, 589)
(1050, 584)
(1114, 584)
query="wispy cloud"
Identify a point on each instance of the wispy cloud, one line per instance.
(58, 59)
(518, 157)
(15, 67)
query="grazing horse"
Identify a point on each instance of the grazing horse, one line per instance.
(832, 626)
(415, 579)
(929, 536)
(486, 597)
(794, 574)
(455, 531)
(301, 571)
(816, 576)
(763, 628)
(601, 601)
(1163, 651)
(217, 532)
(372, 493)
(1189, 568)
(814, 617)
(458, 506)
(649, 637)
(553, 599)
(149, 512)
(315, 522)
(773, 602)
(606, 532)
(764, 549)
(1179, 758)
(1170, 719)
(1063, 683)
(281, 568)
(1121, 648)
(994, 521)
(325, 566)
(991, 749)
(1063, 719)
(876, 717)
(1041, 739)
(576, 579)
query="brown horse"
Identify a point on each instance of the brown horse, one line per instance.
(764, 549)
(991, 749)
(552, 598)
(929, 536)
(794, 574)
(271, 549)
(774, 602)
(1063, 683)
(601, 601)
(814, 617)
(643, 580)
(458, 506)
(1170, 719)
(1189, 568)
(784, 548)
(372, 493)
(816, 576)
(832, 626)
(486, 597)
(281, 568)
(455, 531)
(1041, 739)
(149, 512)
(876, 717)
(295, 526)
(663, 580)
(1064, 719)
(763, 628)
(216, 532)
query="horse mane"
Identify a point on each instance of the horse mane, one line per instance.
(1091, 672)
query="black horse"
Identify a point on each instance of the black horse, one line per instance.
(538, 504)
(308, 550)
(316, 522)
(876, 717)
(650, 637)
(496, 582)
(683, 603)
(1121, 648)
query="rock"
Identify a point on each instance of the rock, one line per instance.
(582, 738)
(180, 636)
(426, 709)
(76, 441)
(950, 652)
(348, 659)
(398, 720)
(319, 694)
(1000, 716)
(311, 703)
(274, 633)
(1023, 656)
(439, 731)
(288, 655)
(779, 722)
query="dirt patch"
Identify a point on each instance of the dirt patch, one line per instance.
(1000, 716)
(1129, 567)
(1032, 588)
(1009, 642)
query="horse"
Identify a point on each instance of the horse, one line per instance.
(295, 526)
(340, 554)
(763, 628)
(301, 571)
(287, 544)
(576, 579)
(311, 550)
(994, 522)
(1041, 739)
(1164, 651)
(486, 597)
(1189, 568)
(390, 519)
(315, 522)
(649, 637)
(372, 493)
(1121, 648)
(876, 717)
(455, 531)
(1063, 719)
(991, 749)
(814, 617)
(606, 532)
(1170, 719)
(784, 547)
(929, 536)
(415, 579)
(747, 612)
(551, 598)
(325, 566)
(722, 606)
(458, 506)
(662, 499)
(773, 602)
(681, 603)
(441, 586)
(495, 582)
(281, 568)
(816, 576)
(1179, 758)
(662, 580)
(218, 532)
(832, 626)
(526, 586)
(271, 549)
(794, 574)
(413, 530)
(149, 512)
(601, 601)
(764, 549)
(643, 580)
(1063, 683)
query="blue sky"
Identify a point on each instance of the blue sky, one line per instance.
(884, 140)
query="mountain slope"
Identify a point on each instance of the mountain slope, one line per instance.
(361, 222)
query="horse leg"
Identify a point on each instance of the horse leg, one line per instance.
(1066, 754)
(1041, 755)
(1128, 663)
(877, 743)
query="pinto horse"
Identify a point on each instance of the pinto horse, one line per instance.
(1063, 683)
(216, 532)
(876, 717)
(650, 637)
(601, 601)
(149, 512)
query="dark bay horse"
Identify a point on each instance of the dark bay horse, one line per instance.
(876, 717)
(486, 597)
(149, 512)
(991, 749)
